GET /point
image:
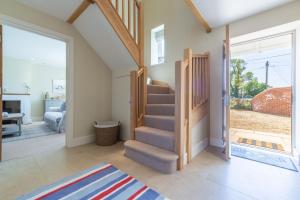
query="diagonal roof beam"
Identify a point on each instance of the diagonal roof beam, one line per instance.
(81, 8)
(198, 15)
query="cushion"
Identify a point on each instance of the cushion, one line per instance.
(63, 107)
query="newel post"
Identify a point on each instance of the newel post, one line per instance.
(133, 108)
(188, 55)
(179, 113)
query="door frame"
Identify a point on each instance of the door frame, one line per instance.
(226, 93)
(293, 79)
(1, 67)
(16, 23)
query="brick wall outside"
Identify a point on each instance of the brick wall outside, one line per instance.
(276, 101)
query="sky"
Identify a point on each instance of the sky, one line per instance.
(277, 51)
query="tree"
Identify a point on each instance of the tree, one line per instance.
(236, 77)
(252, 87)
(243, 84)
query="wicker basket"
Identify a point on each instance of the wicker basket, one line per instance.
(107, 132)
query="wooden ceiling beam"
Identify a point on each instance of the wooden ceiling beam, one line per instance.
(198, 15)
(81, 8)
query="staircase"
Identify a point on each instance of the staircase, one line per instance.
(162, 120)
(154, 143)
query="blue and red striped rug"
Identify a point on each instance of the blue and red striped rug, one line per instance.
(103, 181)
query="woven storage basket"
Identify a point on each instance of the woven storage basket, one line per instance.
(107, 132)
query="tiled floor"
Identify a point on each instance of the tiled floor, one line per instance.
(27, 147)
(207, 177)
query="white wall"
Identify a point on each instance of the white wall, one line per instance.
(39, 77)
(182, 30)
(92, 78)
(121, 100)
(15, 74)
(200, 134)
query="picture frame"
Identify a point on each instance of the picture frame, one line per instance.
(59, 87)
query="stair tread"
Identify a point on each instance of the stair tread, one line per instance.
(155, 131)
(161, 117)
(160, 109)
(161, 86)
(154, 94)
(158, 89)
(161, 104)
(150, 150)
(163, 122)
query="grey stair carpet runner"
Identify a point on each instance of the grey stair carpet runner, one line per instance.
(154, 144)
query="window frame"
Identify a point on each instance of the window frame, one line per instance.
(154, 58)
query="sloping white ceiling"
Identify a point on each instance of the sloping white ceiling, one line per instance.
(98, 32)
(93, 26)
(221, 12)
(62, 9)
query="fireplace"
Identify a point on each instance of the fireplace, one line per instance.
(11, 106)
(18, 103)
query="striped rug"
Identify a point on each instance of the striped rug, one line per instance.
(259, 143)
(103, 181)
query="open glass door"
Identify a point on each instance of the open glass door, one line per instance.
(225, 94)
(1, 61)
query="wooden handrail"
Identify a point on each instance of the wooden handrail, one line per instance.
(138, 98)
(132, 37)
(134, 24)
(191, 99)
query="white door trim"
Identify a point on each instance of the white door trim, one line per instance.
(6, 20)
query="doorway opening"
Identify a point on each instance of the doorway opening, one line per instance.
(34, 93)
(261, 86)
(261, 93)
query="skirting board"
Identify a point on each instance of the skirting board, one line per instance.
(196, 149)
(74, 142)
(216, 142)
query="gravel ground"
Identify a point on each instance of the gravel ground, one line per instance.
(250, 120)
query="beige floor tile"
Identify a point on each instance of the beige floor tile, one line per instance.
(207, 177)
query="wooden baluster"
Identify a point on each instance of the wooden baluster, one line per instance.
(134, 20)
(198, 81)
(205, 80)
(202, 81)
(193, 82)
(129, 16)
(145, 89)
(208, 78)
(141, 33)
(138, 100)
(208, 75)
(123, 10)
(117, 6)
